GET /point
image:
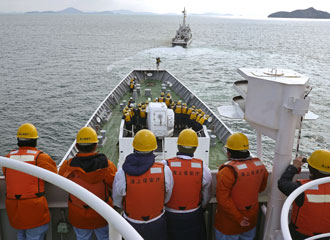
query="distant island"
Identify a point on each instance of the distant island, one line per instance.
(76, 11)
(307, 13)
(123, 12)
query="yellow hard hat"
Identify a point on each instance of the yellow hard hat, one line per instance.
(162, 94)
(27, 131)
(179, 102)
(238, 142)
(193, 106)
(144, 141)
(87, 135)
(188, 138)
(168, 94)
(320, 160)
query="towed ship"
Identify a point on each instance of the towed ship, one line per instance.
(272, 102)
(183, 35)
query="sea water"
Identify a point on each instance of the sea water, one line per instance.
(56, 69)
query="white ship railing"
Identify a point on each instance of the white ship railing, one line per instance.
(289, 201)
(117, 224)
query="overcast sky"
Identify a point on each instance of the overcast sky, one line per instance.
(249, 8)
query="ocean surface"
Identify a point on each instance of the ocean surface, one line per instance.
(56, 69)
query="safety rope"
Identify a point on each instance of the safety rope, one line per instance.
(309, 89)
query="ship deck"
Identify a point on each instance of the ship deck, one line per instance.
(110, 148)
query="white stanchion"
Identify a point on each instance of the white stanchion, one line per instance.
(288, 202)
(108, 213)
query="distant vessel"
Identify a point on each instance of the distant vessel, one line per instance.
(183, 35)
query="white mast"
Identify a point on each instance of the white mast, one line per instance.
(184, 17)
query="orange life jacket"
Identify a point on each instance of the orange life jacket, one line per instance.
(131, 113)
(193, 116)
(20, 185)
(100, 189)
(184, 109)
(143, 113)
(187, 189)
(178, 109)
(168, 101)
(249, 175)
(161, 99)
(145, 194)
(189, 111)
(127, 117)
(198, 117)
(131, 86)
(202, 120)
(313, 217)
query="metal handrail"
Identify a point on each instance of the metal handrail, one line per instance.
(117, 224)
(286, 207)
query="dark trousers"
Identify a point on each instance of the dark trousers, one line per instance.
(186, 225)
(152, 231)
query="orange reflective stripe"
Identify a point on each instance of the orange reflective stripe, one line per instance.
(145, 194)
(187, 189)
(20, 185)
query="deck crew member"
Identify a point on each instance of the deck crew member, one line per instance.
(184, 116)
(130, 102)
(26, 205)
(93, 171)
(238, 183)
(132, 85)
(177, 112)
(191, 192)
(198, 125)
(311, 209)
(192, 119)
(143, 117)
(172, 106)
(158, 61)
(168, 100)
(162, 97)
(128, 123)
(142, 187)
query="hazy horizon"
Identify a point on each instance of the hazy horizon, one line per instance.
(252, 8)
